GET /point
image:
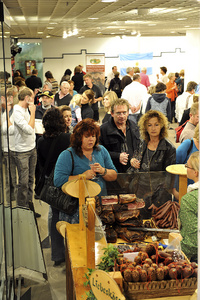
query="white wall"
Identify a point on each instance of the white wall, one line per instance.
(166, 52)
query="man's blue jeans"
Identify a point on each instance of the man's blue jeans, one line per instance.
(25, 162)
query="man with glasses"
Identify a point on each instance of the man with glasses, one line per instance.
(119, 135)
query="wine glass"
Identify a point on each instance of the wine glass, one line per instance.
(92, 161)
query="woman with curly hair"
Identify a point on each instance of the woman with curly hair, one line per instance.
(85, 146)
(155, 154)
(156, 151)
(55, 129)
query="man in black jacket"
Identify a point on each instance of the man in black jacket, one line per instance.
(34, 82)
(120, 136)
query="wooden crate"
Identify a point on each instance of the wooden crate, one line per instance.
(158, 289)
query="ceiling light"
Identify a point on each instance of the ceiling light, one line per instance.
(47, 36)
(181, 19)
(112, 33)
(108, 1)
(50, 27)
(40, 32)
(65, 35)
(172, 31)
(188, 25)
(81, 37)
(53, 23)
(136, 22)
(93, 18)
(139, 34)
(99, 32)
(122, 29)
(75, 32)
(161, 10)
(20, 18)
(151, 24)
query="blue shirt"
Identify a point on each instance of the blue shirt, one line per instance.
(63, 166)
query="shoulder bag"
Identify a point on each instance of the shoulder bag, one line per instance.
(56, 197)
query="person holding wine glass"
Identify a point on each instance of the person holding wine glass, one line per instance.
(84, 145)
(151, 182)
(156, 151)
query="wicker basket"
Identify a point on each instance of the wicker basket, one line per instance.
(157, 289)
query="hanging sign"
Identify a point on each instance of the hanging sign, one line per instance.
(95, 65)
(104, 286)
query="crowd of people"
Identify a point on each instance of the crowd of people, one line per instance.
(132, 134)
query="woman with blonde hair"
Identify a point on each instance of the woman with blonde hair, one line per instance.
(188, 213)
(75, 105)
(108, 98)
(155, 150)
(155, 153)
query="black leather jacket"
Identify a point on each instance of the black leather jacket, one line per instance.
(164, 156)
(112, 140)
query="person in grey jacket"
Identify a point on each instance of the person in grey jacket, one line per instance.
(159, 101)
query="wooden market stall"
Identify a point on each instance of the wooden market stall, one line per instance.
(82, 252)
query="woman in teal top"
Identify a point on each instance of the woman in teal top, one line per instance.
(188, 213)
(84, 148)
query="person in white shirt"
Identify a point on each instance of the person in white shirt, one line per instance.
(164, 77)
(185, 100)
(110, 76)
(25, 150)
(136, 94)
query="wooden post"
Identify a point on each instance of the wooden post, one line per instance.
(82, 183)
(182, 186)
(91, 233)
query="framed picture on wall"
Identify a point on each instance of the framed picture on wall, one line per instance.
(30, 65)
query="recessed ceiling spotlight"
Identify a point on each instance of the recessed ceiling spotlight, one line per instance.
(112, 33)
(53, 23)
(133, 32)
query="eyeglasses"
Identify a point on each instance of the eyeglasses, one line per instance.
(186, 166)
(121, 113)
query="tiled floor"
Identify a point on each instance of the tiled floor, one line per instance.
(54, 288)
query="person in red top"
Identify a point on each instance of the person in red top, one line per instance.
(171, 92)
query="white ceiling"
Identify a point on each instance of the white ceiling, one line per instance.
(49, 18)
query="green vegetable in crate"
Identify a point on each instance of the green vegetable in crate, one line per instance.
(108, 259)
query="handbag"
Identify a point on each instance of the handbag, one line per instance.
(178, 131)
(41, 181)
(55, 197)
